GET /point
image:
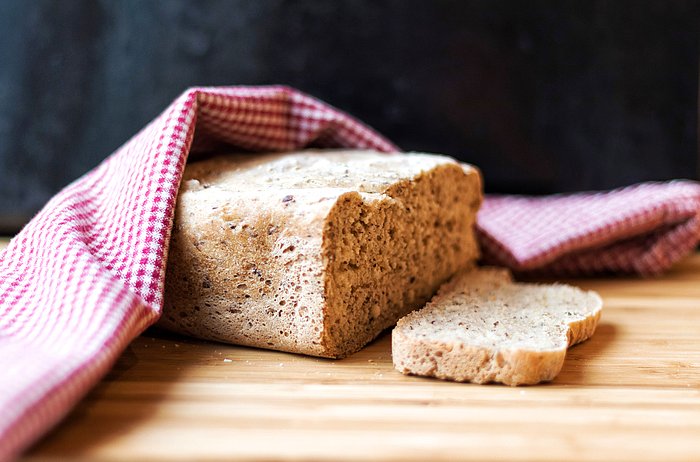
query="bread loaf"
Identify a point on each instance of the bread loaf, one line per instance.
(481, 327)
(315, 252)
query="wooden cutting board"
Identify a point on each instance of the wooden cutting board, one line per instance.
(630, 393)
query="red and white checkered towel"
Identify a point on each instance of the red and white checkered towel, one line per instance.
(85, 276)
(642, 229)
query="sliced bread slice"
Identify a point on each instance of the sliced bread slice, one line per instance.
(481, 328)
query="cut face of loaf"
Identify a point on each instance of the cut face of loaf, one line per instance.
(315, 252)
(481, 327)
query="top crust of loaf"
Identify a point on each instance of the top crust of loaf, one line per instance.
(282, 251)
(345, 170)
(481, 328)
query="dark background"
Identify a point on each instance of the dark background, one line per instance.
(545, 96)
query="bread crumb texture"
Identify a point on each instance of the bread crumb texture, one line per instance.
(482, 327)
(315, 252)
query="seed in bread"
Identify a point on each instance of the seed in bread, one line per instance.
(481, 328)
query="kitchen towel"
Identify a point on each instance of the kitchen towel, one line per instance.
(642, 229)
(85, 276)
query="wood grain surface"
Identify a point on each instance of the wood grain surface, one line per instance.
(632, 392)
